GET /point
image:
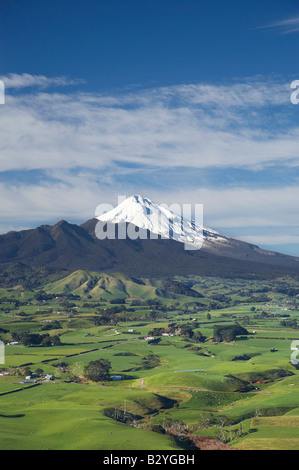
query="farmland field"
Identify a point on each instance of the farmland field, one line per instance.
(193, 357)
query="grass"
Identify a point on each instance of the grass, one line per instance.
(71, 417)
(196, 380)
(63, 415)
(272, 433)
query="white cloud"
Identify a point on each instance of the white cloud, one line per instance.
(31, 205)
(271, 239)
(241, 207)
(288, 26)
(25, 80)
(76, 199)
(196, 126)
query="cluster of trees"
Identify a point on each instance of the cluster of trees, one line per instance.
(3, 330)
(243, 357)
(220, 298)
(119, 301)
(18, 273)
(54, 325)
(98, 370)
(92, 305)
(111, 310)
(156, 332)
(251, 292)
(287, 290)
(259, 299)
(289, 323)
(228, 333)
(178, 288)
(41, 296)
(154, 341)
(67, 306)
(119, 312)
(110, 316)
(154, 314)
(184, 329)
(150, 361)
(61, 366)
(264, 315)
(35, 339)
(153, 303)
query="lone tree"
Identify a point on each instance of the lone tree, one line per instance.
(98, 371)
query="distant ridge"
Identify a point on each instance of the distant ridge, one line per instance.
(70, 246)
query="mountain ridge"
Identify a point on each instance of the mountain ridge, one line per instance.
(71, 246)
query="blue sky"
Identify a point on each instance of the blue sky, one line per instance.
(180, 101)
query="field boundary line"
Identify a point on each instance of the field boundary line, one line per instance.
(18, 389)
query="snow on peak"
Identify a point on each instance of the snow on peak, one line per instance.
(160, 220)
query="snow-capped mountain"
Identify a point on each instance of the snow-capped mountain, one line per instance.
(168, 253)
(162, 221)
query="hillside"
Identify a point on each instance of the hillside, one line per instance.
(21, 274)
(108, 286)
(215, 365)
(72, 247)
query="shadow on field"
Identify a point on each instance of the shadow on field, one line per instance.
(12, 416)
(166, 403)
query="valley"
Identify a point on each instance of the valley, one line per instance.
(196, 362)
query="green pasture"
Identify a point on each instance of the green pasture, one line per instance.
(71, 417)
(272, 433)
(201, 384)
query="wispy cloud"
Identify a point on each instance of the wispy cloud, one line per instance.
(263, 214)
(198, 125)
(91, 147)
(279, 239)
(26, 80)
(288, 26)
